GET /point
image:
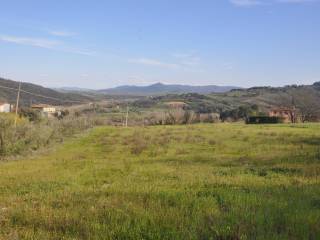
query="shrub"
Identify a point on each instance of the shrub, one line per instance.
(138, 143)
(31, 115)
(30, 135)
(263, 120)
(209, 117)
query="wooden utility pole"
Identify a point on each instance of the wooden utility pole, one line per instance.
(17, 105)
(94, 108)
(127, 115)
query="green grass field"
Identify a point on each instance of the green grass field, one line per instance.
(222, 181)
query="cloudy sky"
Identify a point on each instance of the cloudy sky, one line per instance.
(99, 44)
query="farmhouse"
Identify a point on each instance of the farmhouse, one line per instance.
(5, 107)
(287, 114)
(44, 109)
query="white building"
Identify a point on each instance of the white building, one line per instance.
(5, 107)
(45, 109)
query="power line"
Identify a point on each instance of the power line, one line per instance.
(9, 88)
(39, 95)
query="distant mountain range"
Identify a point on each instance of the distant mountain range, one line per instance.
(153, 89)
(162, 89)
(72, 95)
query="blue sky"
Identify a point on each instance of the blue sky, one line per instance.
(100, 44)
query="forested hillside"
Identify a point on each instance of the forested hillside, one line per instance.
(306, 98)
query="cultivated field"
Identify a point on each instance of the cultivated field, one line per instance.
(214, 181)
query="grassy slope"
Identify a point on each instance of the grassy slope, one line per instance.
(225, 181)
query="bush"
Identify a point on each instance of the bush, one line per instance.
(31, 115)
(240, 113)
(138, 142)
(32, 135)
(263, 120)
(209, 117)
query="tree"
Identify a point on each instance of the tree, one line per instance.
(307, 105)
(6, 123)
(304, 102)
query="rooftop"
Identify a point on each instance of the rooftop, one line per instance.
(2, 103)
(40, 106)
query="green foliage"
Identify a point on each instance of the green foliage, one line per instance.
(5, 123)
(241, 103)
(263, 120)
(35, 133)
(222, 181)
(31, 115)
(240, 113)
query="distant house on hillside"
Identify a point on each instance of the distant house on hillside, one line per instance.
(176, 104)
(45, 109)
(5, 107)
(287, 114)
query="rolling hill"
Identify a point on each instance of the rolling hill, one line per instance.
(32, 93)
(162, 89)
(198, 98)
(304, 97)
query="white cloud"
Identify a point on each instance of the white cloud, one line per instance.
(62, 33)
(35, 42)
(245, 3)
(79, 51)
(45, 43)
(154, 62)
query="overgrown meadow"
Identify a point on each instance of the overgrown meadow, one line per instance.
(207, 181)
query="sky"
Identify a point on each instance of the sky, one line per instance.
(105, 43)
